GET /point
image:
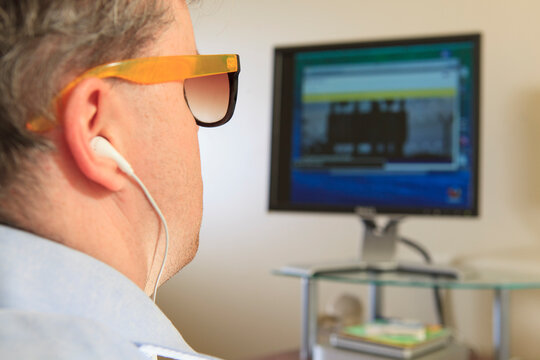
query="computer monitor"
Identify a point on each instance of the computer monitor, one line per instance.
(390, 127)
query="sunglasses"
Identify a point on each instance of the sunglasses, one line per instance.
(210, 83)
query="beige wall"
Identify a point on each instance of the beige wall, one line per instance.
(227, 303)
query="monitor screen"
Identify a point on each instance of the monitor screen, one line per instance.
(388, 126)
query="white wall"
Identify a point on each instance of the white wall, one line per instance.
(227, 303)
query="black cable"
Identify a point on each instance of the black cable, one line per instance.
(418, 248)
(436, 289)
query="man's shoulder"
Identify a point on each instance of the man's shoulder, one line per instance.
(34, 335)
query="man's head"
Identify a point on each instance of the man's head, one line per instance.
(77, 198)
(45, 43)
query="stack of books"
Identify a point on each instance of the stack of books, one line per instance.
(393, 338)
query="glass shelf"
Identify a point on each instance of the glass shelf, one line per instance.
(471, 279)
(501, 282)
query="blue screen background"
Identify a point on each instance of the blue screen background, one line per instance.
(331, 186)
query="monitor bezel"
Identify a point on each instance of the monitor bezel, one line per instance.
(281, 140)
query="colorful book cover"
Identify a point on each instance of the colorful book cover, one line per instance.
(405, 339)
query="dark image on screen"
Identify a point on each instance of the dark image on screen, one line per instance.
(379, 133)
(388, 126)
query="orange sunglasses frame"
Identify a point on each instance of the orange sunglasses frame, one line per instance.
(154, 70)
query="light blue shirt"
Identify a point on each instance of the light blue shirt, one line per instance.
(58, 303)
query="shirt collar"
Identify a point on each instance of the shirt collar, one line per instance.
(41, 275)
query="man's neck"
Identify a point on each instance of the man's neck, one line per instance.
(81, 215)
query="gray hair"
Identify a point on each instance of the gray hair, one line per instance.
(42, 42)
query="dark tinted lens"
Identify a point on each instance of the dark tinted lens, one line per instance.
(208, 97)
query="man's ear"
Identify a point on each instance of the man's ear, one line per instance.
(85, 114)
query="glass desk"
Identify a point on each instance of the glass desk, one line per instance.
(500, 282)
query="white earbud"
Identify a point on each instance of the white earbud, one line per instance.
(102, 147)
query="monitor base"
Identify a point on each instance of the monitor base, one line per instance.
(307, 270)
(377, 253)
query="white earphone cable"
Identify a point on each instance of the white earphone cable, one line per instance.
(103, 147)
(158, 211)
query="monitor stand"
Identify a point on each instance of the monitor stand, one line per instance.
(377, 254)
